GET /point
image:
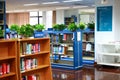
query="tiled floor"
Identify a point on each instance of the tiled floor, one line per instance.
(87, 73)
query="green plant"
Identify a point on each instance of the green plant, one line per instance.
(91, 25)
(81, 26)
(26, 30)
(14, 27)
(56, 27)
(39, 27)
(1, 33)
(72, 27)
(59, 27)
(62, 26)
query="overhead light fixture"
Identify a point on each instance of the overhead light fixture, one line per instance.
(80, 6)
(55, 2)
(72, 0)
(33, 4)
(63, 8)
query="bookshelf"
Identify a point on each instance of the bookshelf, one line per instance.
(88, 47)
(68, 20)
(34, 59)
(108, 54)
(65, 49)
(8, 60)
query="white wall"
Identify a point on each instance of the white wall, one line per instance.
(47, 19)
(116, 14)
(60, 17)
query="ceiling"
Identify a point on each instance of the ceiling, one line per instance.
(18, 5)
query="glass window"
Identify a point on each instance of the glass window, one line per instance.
(36, 18)
(33, 20)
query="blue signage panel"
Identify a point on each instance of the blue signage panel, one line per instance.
(104, 18)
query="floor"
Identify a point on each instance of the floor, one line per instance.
(88, 73)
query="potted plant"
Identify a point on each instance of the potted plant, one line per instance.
(26, 31)
(39, 27)
(62, 27)
(59, 27)
(91, 25)
(1, 33)
(56, 27)
(14, 28)
(72, 27)
(81, 26)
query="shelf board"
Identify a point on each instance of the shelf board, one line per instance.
(7, 75)
(35, 54)
(7, 58)
(110, 54)
(88, 51)
(37, 68)
(7, 40)
(109, 64)
(87, 41)
(88, 58)
(33, 39)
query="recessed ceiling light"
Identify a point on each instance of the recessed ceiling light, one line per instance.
(72, 0)
(51, 2)
(33, 4)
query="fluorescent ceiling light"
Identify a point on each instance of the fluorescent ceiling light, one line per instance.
(72, 0)
(51, 2)
(80, 6)
(63, 8)
(33, 4)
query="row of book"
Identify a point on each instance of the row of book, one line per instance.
(65, 37)
(28, 48)
(31, 77)
(58, 49)
(27, 64)
(4, 68)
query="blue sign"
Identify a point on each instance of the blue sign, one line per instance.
(104, 18)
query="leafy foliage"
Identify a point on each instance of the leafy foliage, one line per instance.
(39, 27)
(15, 27)
(59, 27)
(72, 27)
(26, 30)
(1, 32)
(81, 26)
(91, 25)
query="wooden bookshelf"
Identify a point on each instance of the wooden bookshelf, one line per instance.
(38, 56)
(8, 60)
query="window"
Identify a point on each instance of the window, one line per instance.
(36, 17)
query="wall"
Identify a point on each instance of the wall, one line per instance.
(116, 15)
(60, 17)
(103, 36)
(48, 19)
(17, 18)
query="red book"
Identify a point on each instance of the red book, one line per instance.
(4, 71)
(30, 77)
(8, 68)
(36, 47)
